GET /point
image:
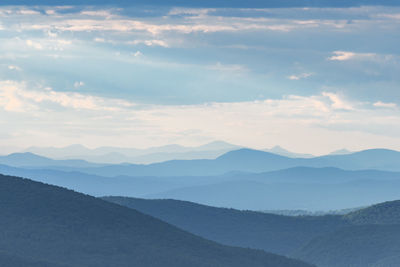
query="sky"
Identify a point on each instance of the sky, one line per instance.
(312, 80)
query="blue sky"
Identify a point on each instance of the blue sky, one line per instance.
(309, 79)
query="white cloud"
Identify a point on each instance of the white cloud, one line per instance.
(49, 44)
(149, 43)
(14, 96)
(14, 67)
(299, 76)
(79, 84)
(33, 44)
(137, 54)
(97, 13)
(346, 55)
(337, 101)
(381, 104)
(28, 12)
(293, 120)
(228, 67)
(190, 11)
(99, 40)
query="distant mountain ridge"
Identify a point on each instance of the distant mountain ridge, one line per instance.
(248, 160)
(28, 159)
(117, 155)
(294, 188)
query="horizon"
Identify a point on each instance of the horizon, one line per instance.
(233, 147)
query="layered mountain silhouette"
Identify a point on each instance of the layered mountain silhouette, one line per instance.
(367, 237)
(294, 188)
(243, 160)
(116, 155)
(28, 159)
(46, 224)
(274, 233)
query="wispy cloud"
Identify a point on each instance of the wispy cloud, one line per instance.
(14, 67)
(300, 76)
(16, 97)
(381, 104)
(346, 55)
(329, 115)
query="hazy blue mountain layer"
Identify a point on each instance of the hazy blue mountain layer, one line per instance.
(45, 223)
(243, 160)
(304, 188)
(118, 155)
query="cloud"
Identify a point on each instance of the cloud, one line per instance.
(34, 44)
(346, 55)
(300, 76)
(14, 67)
(292, 120)
(149, 43)
(79, 84)
(228, 67)
(381, 104)
(137, 54)
(337, 101)
(97, 13)
(14, 96)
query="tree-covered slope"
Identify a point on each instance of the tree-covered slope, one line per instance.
(372, 240)
(368, 237)
(8, 260)
(383, 213)
(273, 233)
(50, 224)
(355, 246)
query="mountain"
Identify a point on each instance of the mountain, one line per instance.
(355, 246)
(327, 241)
(209, 3)
(43, 223)
(32, 160)
(274, 233)
(312, 196)
(248, 160)
(117, 155)
(283, 152)
(242, 160)
(383, 213)
(372, 240)
(8, 260)
(340, 152)
(294, 188)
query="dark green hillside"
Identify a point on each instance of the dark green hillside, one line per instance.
(383, 213)
(7, 260)
(51, 224)
(356, 246)
(273, 233)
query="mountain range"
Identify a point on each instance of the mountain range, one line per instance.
(44, 225)
(295, 188)
(117, 155)
(367, 237)
(242, 160)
